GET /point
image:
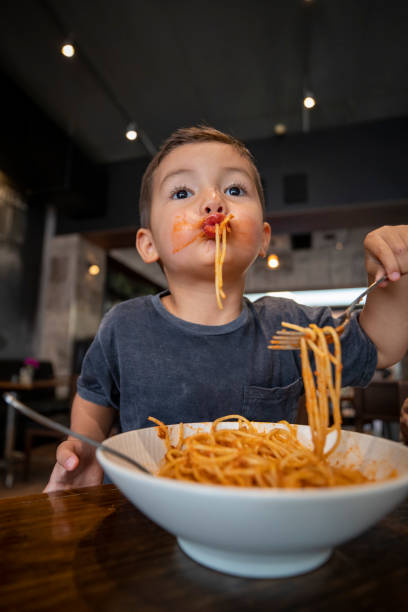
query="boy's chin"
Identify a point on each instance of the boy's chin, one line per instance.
(208, 245)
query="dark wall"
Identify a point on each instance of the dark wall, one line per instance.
(39, 156)
(347, 165)
(350, 165)
(123, 185)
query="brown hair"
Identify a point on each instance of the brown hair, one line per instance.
(191, 135)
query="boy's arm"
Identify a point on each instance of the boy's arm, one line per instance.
(91, 419)
(385, 314)
(404, 422)
(76, 463)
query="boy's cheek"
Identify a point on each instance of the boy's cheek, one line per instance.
(247, 229)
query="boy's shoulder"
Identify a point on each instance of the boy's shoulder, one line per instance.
(285, 309)
(126, 312)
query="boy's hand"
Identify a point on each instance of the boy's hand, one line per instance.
(384, 316)
(76, 467)
(386, 252)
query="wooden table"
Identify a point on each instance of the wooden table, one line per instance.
(90, 549)
(9, 455)
(46, 383)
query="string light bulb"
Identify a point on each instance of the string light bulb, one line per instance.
(273, 261)
(280, 129)
(309, 101)
(131, 133)
(68, 50)
(94, 269)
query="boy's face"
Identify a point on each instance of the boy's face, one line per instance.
(193, 181)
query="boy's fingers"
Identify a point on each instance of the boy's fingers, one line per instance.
(381, 257)
(389, 246)
(66, 456)
(374, 269)
(397, 240)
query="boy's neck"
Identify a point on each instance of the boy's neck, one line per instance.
(199, 305)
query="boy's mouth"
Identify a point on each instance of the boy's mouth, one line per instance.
(208, 224)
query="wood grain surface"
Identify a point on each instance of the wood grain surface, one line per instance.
(90, 549)
(8, 385)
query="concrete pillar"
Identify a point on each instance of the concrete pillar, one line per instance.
(72, 299)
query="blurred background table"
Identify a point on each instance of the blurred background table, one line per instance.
(40, 394)
(90, 549)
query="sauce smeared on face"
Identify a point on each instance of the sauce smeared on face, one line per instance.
(185, 232)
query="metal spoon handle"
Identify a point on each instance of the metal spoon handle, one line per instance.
(10, 399)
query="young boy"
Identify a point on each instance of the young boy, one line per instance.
(177, 356)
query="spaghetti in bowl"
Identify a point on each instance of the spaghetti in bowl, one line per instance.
(254, 531)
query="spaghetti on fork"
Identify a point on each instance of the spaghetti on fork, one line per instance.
(328, 377)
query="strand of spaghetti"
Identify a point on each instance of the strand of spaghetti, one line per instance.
(181, 437)
(315, 348)
(336, 387)
(305, 330)
(310, 390)
(162, 431)
(335, 396)
(323, 376)
(222, 257)
(220, 250)
(217, 266)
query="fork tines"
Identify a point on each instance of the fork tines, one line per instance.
(289, 332)
(285, 343)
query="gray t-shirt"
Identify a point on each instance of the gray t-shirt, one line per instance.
(144, 361)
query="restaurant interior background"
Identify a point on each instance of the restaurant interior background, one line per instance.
(70, 177)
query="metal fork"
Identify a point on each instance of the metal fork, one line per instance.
(289, 339)
(11, 400)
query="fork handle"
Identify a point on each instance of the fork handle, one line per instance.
(11, 400)
(358, 299)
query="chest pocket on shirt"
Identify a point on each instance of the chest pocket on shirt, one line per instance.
(277, 404)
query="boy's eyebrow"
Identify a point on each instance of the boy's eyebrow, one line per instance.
(243, 170)
(174, 173)
(189, 170)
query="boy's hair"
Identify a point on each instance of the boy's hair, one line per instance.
(191, 135)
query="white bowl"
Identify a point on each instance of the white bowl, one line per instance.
(260, 532)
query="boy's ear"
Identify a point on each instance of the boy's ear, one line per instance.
(145, 245)
(266, 238)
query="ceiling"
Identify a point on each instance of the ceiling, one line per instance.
(238, 65)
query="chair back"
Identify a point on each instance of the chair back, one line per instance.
(380, 400)
(79, 352)
(9, 368)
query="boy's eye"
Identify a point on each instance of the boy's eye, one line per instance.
(180, 194)
(235, 190)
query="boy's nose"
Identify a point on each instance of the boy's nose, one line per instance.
(219, 208)
(213, 204)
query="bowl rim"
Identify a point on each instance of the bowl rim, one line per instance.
(197, 488)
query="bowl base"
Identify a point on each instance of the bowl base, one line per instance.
(254, 565)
